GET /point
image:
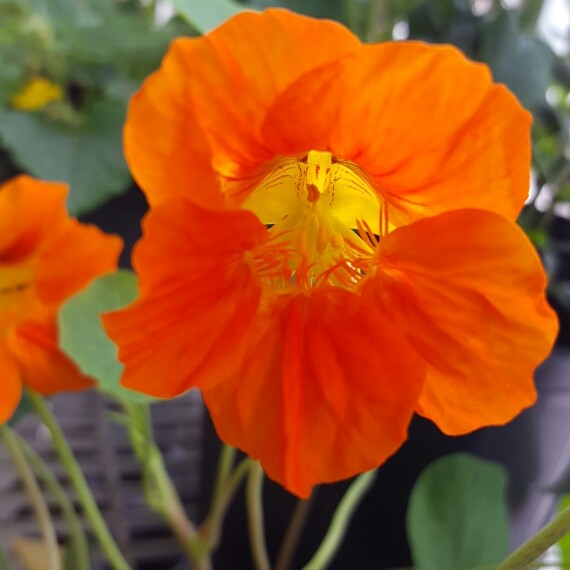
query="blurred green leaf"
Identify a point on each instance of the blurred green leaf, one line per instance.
(538, 237)
(23, 409)
(457, 516)
(82, 335)
(446, 21)
(521, 62)
(205, 15)
(529, 14)
(332, 9)
(88, 157)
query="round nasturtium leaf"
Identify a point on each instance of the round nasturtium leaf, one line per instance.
(457, 515)
(84, 339)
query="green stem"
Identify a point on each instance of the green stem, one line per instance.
(225, 463)
(172, 510)
(92, 512)
(159, 491)
(340, 521)
(212, 527)
(34, 492)
(78, 540)
(254, 490)
(296, 526)
(538, 544)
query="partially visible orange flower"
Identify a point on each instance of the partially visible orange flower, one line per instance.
(45, 257)
(331, 244)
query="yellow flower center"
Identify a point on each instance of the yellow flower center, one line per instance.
(325, 211)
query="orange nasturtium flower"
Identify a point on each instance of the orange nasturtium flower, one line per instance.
(45, 257)
(331, 243)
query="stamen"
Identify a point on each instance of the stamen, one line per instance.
(318, 201)
(366, 234)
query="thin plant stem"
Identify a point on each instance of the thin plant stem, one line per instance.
(212, 527)
(53, 560)
(294, 530)
(92, 512)
(172, 510)
(77, 538)
(340, 521)
(536, 545)
(225, 464)
(254, 490)
(159, 491)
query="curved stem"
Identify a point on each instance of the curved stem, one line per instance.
(225, 463)
(538, 544)
(78, 540)
(340, 521)
(34, 492)
(92, 512)
(296, 525)
(212, 527)
(255, 516)
(159, 492)
(171, 508)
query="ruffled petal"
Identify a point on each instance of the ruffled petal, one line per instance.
(74, 257)
(198, 297)
(44, 207)
(10, 385)
(239, 69)
(43, 366)
(327, 391)
(467, 289)
(434, 133)
(165, 147)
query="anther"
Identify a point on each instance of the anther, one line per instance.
(313, 193)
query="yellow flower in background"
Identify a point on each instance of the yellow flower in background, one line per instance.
(36, 94)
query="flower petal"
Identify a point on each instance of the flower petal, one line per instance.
(11, 385)
(239, 69)
(43, 366)
(44, 207)
(467, 289)
(76, 255)
(165, 148)
(198, 298)
(434, 134)
(327, 391)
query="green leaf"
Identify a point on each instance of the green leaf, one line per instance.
(83, 338)
(205, 15)
(521, 62)
(457, 516)
(23, 409)
(88, 157)
(331, 9)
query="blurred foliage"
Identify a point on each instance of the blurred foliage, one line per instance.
(98, 51)
(457, 514)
